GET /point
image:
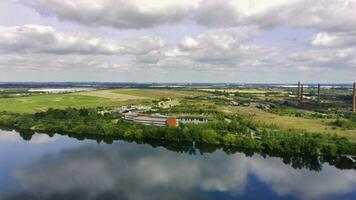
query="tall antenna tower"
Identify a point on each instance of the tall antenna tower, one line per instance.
(354, 98)
(319, 93)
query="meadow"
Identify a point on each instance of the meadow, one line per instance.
(112, 98)
(89, 99)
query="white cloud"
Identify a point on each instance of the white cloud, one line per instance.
(189, 43)
(116, 13)
(328, 15)
(38, 39)
(224, 48)
(143, 45)
(45, 39)
(334, 59)
(50, 62)
(342, 39)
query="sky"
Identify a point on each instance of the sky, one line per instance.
(235, 41)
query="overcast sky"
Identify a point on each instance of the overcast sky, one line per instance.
(238, 41)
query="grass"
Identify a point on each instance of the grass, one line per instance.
(159, 93)
(118, 97)
(110, 94)
(289, 122)
(43, 102)
(129, 94)
(106, 98)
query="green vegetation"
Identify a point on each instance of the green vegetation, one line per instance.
(159, 93)
(267, 120)
(129, 94)
(34, 102)
(231, 131)
(348, 122)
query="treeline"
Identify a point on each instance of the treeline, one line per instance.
(233, 131)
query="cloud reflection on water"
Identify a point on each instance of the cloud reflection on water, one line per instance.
(13, 136)
(129, 171)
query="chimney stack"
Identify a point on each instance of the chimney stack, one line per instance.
(318, 93)
(302, 93)
(298, 93)
(354, 98)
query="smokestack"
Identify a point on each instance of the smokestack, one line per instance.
(354, 99)
(301, 93)
(318, 93)
(298, 93)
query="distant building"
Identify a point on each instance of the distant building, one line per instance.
(128, 108)
(160, 120)
(154, 119)
(59, 90)
(192, 121)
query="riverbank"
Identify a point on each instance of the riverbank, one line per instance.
(237, 132)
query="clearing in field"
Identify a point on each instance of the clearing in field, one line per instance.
(110, 94)
(159, 93)
(131, 94)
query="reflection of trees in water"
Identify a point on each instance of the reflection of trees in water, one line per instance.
(313, 163)
(26, 135)
(130, 171)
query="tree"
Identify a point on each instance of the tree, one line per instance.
(229, 139)
(209, 136)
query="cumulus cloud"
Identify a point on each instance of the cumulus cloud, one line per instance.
(217, 49)
(328, 15)
(342, 39)
(116, 13)
(45, 39)
(47, 62)
(224, 47)
(143, 45)
(327, 58)
(34, 39)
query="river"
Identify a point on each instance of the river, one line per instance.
(60, 167)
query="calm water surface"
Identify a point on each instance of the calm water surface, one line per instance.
(59, 167)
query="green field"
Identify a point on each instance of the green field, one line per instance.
(119, 97)
(105, 98)
(110, 94)
(290, 122)
(43, 102)
(128, 94)
(158, 93)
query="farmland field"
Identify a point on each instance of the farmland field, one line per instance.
(159, 93)
(129, 94)
(43, 102)
(110, 94)
(106, 98)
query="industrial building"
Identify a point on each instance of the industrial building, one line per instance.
(154, 119)
(193, 121)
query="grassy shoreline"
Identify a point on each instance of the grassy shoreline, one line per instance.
(236, 133)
